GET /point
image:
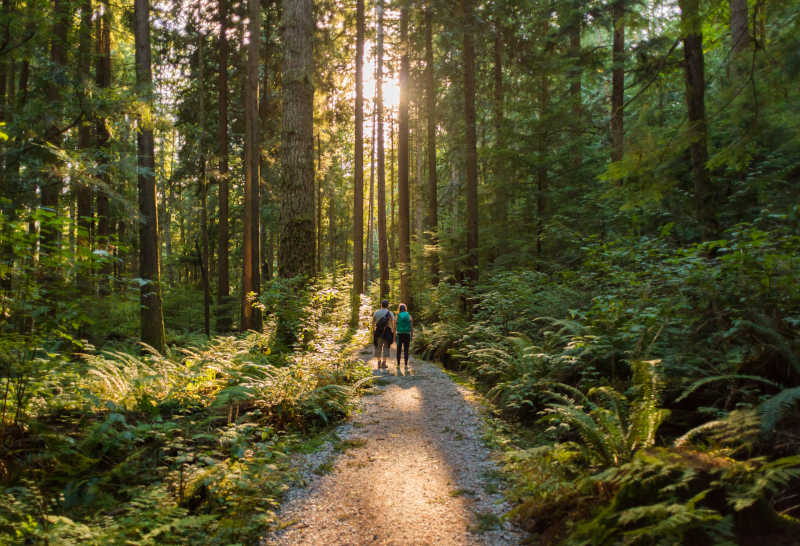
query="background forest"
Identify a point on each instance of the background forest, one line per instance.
(591, 208)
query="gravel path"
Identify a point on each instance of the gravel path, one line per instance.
(410, 469)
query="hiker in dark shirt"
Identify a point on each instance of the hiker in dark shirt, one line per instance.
(382, 333)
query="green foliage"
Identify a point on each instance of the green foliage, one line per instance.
(192, 446)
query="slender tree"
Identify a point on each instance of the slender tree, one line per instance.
(404, 250)
(358, 172)
(296, 254)
(393, 229)
(470, 143)
(51, 189)
(695, 104)
(224, 319)
(617, 79)
(251, 277)
(431, 209)
(204, 254)
(152, 316)
(383, 251)
(82, 189)
(371, 206)
(500, 182)
(102, 137)
(740, 33)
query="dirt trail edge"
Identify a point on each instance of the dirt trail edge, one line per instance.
(413, 471)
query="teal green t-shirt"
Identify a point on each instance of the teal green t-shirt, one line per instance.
(403, 323)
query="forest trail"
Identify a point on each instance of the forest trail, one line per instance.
(413, 471)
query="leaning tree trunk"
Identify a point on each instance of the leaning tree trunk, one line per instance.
(403, 228)
(297, 252)
(695, 105)
(358, 174)
(152, 317)
(471, 188)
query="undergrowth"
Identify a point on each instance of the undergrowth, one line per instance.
(649, 394)
(188, 447)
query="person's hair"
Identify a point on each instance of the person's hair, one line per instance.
(385, 303)
(401, 308)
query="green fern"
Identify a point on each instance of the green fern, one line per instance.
(777, 407)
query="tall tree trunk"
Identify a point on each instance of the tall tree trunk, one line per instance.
(575, 91)
(224, 311)
(695, 105)
(404, 250)
(500, 182)
(152, 317)
(432, 209)
(541, 168)
(331, 229)
(383, 251)
(358, 174)
(51, 188)
(371, 209)
(318, 195)
(204, 258)
(82, 189)
(393, 229)
(297, 252)
(251, 262)
(617, 80)
(740, 33)
(470, 144)
(102, 137)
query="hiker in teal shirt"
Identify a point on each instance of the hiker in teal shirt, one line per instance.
(403, 327)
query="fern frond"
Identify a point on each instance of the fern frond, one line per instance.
(729, 377)
(777, 407)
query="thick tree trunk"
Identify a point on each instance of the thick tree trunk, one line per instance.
(318, 195)
(404, 250)
(470, 144)
(224, 311)
(251, 277)
(297, 252)
(695, 105)
(383, 251)
(617, 80)
(358, 175)
(432, 208)
(51, 189)
(152, 317)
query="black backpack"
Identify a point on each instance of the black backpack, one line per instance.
(383, 325)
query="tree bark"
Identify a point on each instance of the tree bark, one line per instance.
(152, 317)
(383, 251)
(695, 105)
(204, 257)
(82, 189)
(740, 33)
(470, 145)
(224, 319)
(432, 209)
(617, 80)
(575, 91)
(358, 175)
(404, 250)
(297, 252)
(318, 195)
(371, 208)
(393, 229)
(51, 188)
(500, 182)
(251, 262)
(102, 137)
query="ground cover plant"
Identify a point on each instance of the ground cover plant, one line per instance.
(191, 446)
